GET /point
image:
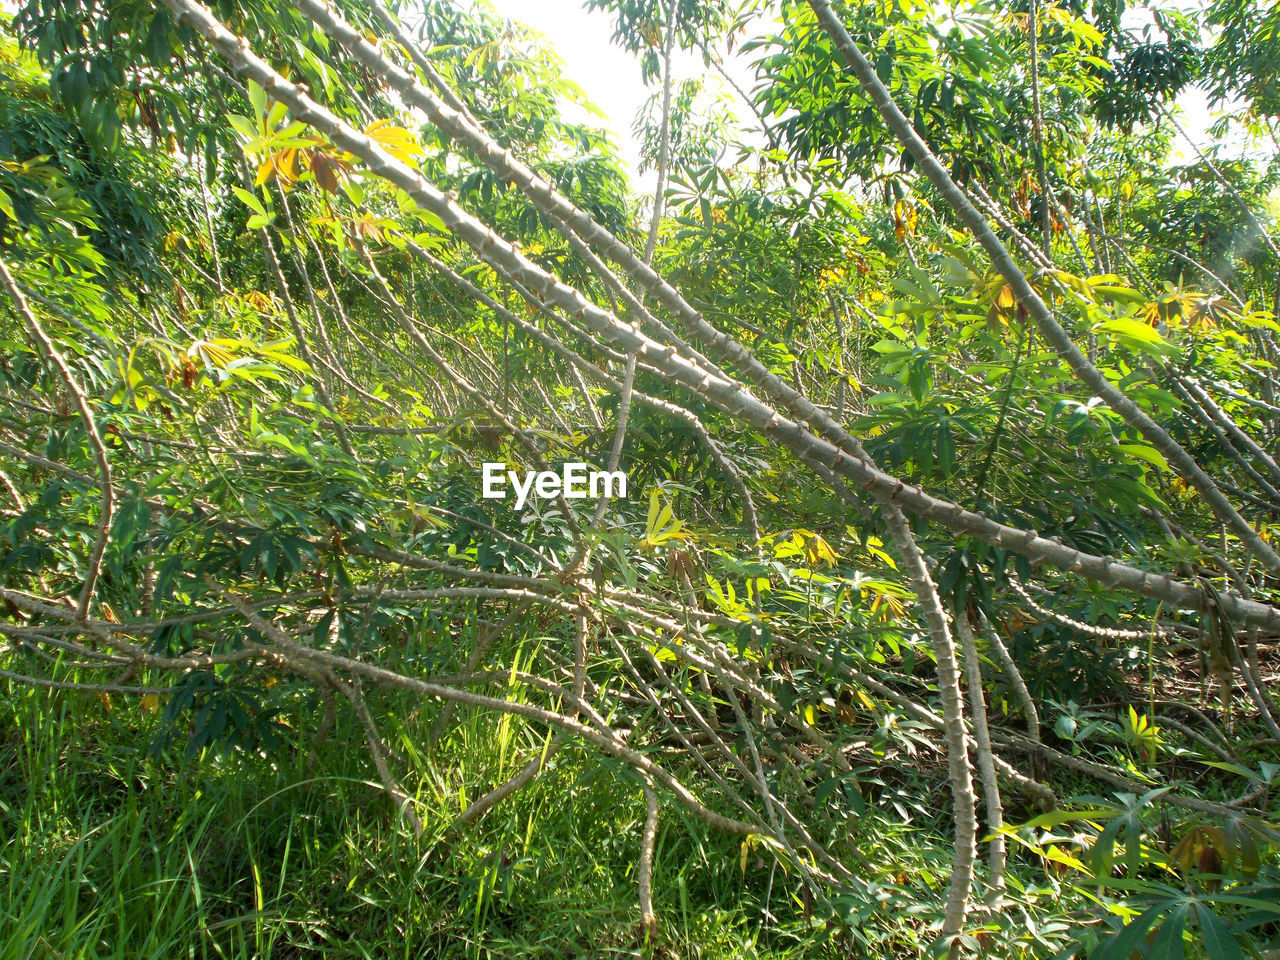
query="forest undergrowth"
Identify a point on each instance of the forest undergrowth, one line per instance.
(938, 615)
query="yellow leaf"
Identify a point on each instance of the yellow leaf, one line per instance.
(817, 550)
(287, 166)
(266, 170)
(904, 219)
(397, 141)
(1055, 854)
(661, 524)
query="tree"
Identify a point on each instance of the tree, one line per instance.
(867, 412)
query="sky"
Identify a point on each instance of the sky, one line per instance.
(611, 76)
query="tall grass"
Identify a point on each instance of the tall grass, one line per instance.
(109, 851)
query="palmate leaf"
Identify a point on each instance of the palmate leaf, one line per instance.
(811, 547)
(661, 525)
(726, 599)
(1122, 944)
(216, 354)
(1219, 944)
(873, 547)
(816, 549)
(1167, 943)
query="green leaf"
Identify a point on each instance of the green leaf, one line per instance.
(1117, 293)
(258, 98)
(1055, 818)
(1136, 336)
(1122, 944)
(275, 115)
(1219, 944)
(250, 201)
(1232, 768)
(244, 126)
(1167, 944)
(1145, 453)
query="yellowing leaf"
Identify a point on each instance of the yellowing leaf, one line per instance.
(904, 219)
(893, 606)
(875, 549)
(281, 166)
(396, 140)
(817, 550)
(661, 524)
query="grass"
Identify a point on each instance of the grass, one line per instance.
(110, 848)
(106, 851)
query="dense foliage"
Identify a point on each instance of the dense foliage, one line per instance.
(941, 611)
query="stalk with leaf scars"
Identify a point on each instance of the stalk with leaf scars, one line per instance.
(648, 920)
(826, 457)
(729, 396)
(986, 760)
(810, 434)
(833, 448)
(1179, 459)
(960, 771)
